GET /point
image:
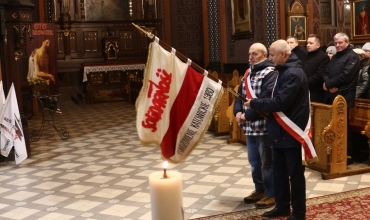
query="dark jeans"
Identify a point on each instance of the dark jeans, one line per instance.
(289, 180)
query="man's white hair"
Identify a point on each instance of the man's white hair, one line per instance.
(342, 35)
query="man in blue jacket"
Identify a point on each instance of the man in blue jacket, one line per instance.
(289, 101)
(260, 78)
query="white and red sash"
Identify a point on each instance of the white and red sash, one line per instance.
(247, 82)
(308, 151)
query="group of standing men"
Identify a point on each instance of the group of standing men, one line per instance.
(278, 91)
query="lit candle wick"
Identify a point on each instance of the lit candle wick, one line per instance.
(164, 174)
(165, 165)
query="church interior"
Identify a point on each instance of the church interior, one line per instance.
(85, 159)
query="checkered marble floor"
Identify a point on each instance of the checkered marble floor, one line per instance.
(101, 172)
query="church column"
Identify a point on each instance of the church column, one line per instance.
(213, 36)
(65, 26)
(18, 22)
(271, 21)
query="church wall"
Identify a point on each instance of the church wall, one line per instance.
(82, 28)
(328, 18)
(201, 30)
(187, 29)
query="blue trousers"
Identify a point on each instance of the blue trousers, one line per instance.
(260, 159)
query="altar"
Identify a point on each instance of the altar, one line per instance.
(110, 82)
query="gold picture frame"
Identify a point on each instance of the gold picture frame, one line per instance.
(242, 19)
(360, 21)
(298, 27)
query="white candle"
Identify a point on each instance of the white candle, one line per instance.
(166, 196)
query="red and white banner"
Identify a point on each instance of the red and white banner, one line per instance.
(11, 128)
(175, 105)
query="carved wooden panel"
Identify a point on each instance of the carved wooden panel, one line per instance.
(326, 11)
(96, 78)
(114, 77)
(125, 40)
(297, 7)
(82, 7)
(329, 129)
(60, 42)
(107, 34)
(320, 119)
(90, 41)
(73, 42)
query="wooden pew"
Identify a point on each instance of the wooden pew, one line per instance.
(220, 122)
(135, 86)
(213, 125)
(236, 133)
(360, 114)
(359, 119)
(329, 137)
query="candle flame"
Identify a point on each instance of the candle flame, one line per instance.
(165, 164)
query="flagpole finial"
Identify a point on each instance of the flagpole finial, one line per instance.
(147, 33)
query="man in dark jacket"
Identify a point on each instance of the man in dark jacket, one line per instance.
(300, 51)
(314, 66)
(340, 78)
(260, 78)
(290, 98)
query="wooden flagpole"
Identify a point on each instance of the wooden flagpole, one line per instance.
(194, 65)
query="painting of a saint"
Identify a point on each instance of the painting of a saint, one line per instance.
(362, 19)
(39, 64)
(298, 27)
(242, 17)
(42, 60)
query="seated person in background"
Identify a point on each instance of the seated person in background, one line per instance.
(331, 51)
(363, 83)
(366, 48)
(300, 51)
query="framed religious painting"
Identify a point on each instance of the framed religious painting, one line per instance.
(298, 27)
(360, 20)
(242, 19)
(105, 10)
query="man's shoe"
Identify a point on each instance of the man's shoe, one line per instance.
(292, 217)
(254, 197)
(265, 202)
(276, 213)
